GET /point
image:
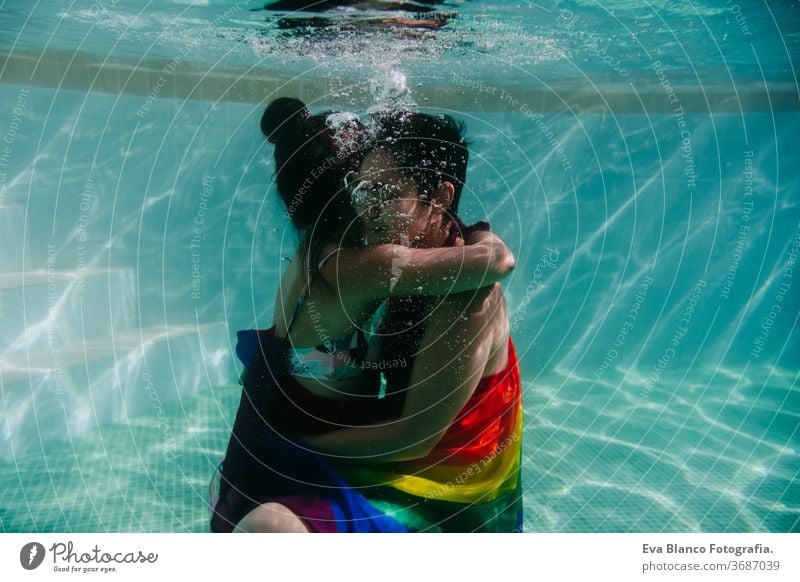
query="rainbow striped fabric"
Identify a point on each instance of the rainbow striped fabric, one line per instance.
(469, 482)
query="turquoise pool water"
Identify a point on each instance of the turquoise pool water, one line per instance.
(640, 158)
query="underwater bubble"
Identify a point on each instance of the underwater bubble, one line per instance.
(389, 87)
(340, 119)
(346, 131)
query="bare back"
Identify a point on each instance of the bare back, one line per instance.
(467, 326)
(325, 313)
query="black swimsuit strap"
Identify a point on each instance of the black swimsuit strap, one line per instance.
(304, 293)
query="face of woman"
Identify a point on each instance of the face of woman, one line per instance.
(390, 206)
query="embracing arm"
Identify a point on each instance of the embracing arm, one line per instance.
(394, 270)
(452, 357)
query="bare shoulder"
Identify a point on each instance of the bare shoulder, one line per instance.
(479, 301)
(340, 267)
(477, 312)
(354, 261)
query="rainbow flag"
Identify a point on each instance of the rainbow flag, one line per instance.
(469, 482)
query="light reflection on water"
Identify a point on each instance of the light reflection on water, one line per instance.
(646, 409)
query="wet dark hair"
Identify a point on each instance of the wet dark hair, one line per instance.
(310, 165)
(428, 149)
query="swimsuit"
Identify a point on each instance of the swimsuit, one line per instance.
(331, 361)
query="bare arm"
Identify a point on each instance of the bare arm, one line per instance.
(453, 356)
(390, 270)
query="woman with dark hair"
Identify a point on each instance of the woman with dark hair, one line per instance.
(317, 370)
(450, 461)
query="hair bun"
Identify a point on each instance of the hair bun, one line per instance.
(283, 117)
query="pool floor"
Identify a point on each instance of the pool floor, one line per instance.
(597, 458)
